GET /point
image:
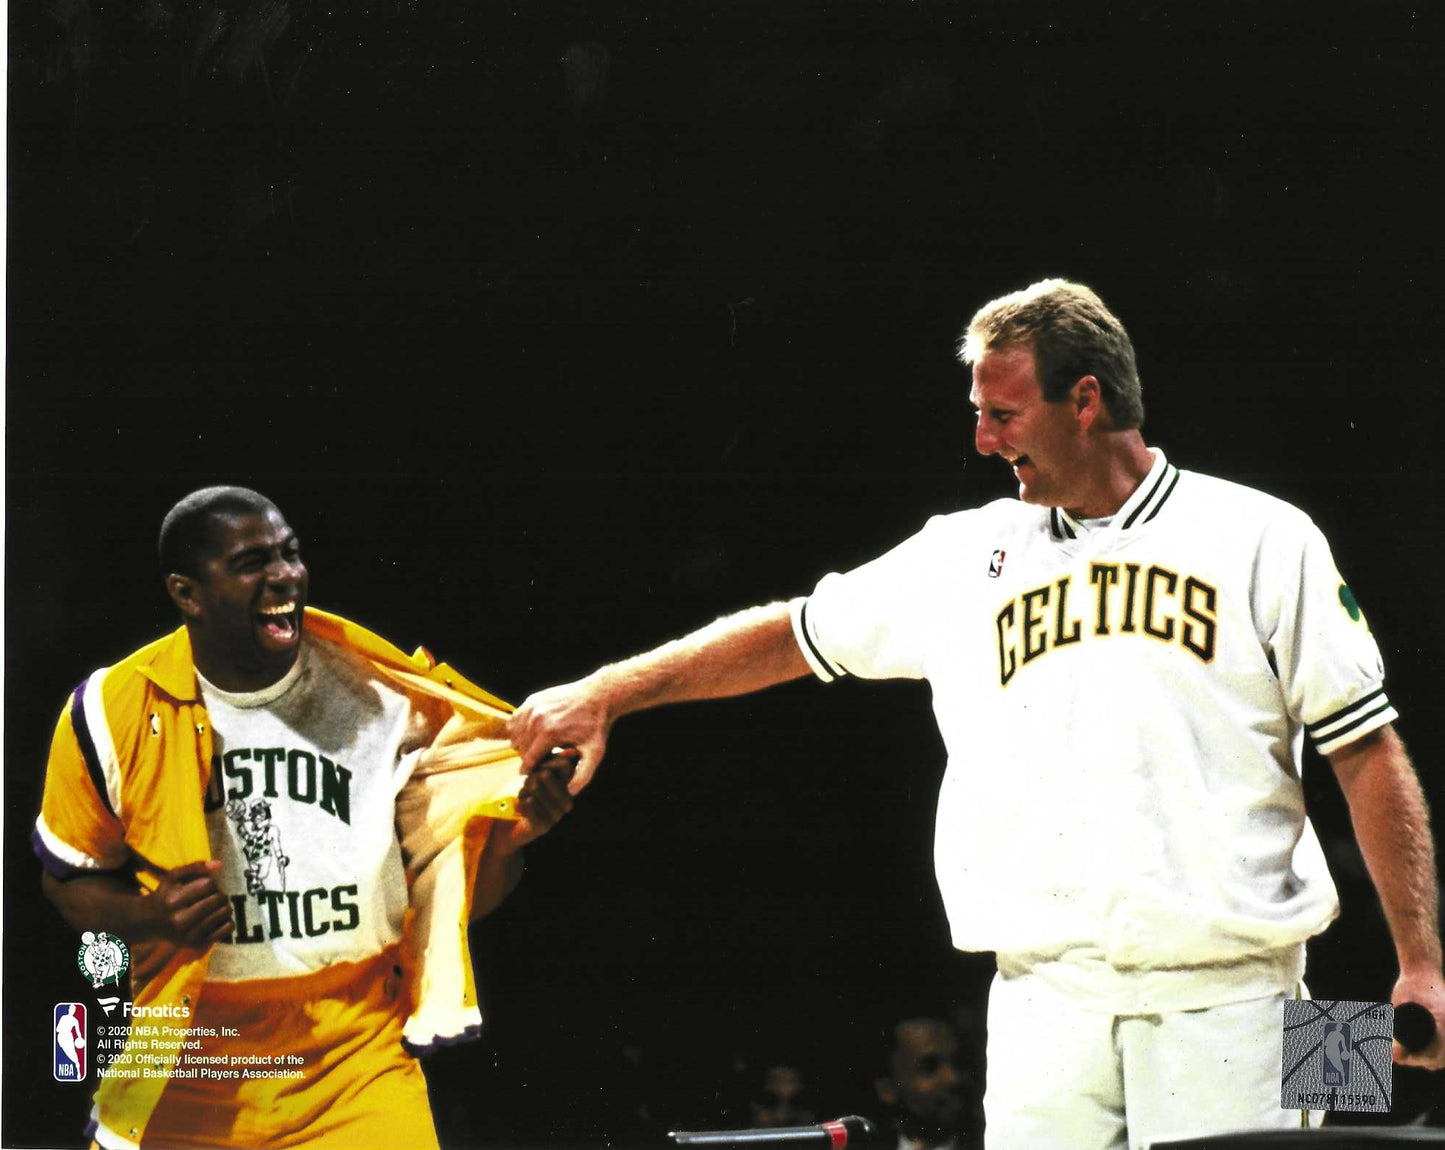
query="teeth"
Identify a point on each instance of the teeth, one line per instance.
(284, 609)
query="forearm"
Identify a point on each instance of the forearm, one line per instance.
(104, 902)
(1392, 826)
(735, 655)
(498, 873)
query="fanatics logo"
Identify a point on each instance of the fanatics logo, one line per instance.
(995, 564)
(69, 1022)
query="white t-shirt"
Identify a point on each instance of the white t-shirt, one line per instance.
(301, 813)
(1124, 704)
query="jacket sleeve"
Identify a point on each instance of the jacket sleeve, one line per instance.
(78, 831)
(1329, 665)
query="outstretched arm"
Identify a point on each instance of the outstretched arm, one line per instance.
(1392, 826)
(735, 655)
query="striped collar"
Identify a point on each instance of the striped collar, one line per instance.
(1145, 503)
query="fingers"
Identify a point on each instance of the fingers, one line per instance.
(560, 763)
(1432, 1055)
(545, 747)
(569, 716)
(195, 911)
(547, 811)
(215, 926)
(1419, 998)
(186, 901)
(199, 918)
(178, 895)
(1431, 1058)
(192, 870)
(554, 801)
(517, 736)
(544, 798)
(586, 768)
(536, 752)
(523, 731)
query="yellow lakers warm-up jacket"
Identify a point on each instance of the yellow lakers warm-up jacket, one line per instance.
(125, 784)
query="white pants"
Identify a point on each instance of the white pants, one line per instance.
(1064, 1078)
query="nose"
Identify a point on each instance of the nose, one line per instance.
(283, 570)
(985, 440)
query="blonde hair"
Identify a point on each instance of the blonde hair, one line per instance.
(1071, 334)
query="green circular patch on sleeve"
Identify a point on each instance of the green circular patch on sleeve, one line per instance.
(1347, 597)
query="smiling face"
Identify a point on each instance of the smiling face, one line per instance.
(244, 605)
(1045, 443)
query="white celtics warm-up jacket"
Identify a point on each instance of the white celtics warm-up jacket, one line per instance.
(1124, 704)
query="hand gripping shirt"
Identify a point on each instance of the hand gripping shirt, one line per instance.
(1124, 705)
(130, 769)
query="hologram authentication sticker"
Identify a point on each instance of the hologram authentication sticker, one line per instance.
(1337, 1056)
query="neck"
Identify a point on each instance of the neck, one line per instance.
(237, 676)
(1120, 467)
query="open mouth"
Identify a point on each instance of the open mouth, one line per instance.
(280, 625)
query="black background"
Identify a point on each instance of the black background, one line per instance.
(558, 332)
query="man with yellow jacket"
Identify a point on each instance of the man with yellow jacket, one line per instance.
(290, 822)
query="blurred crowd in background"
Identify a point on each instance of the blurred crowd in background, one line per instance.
(921, 1086)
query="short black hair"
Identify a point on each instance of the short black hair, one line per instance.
(189, 528)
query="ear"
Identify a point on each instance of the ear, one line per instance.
(887, 1091)
(1088, 400)
(185, 594)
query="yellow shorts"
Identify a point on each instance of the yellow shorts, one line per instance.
(357, 1089)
